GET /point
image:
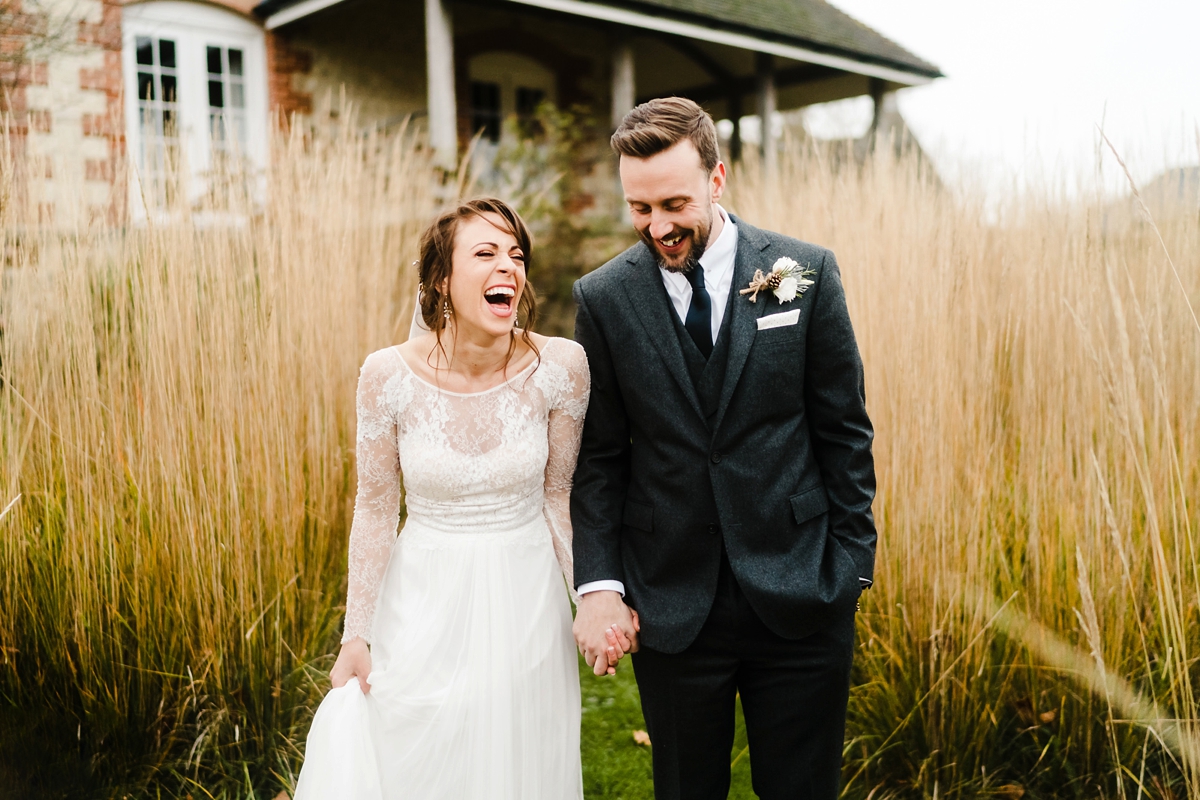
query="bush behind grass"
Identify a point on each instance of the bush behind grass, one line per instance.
(176, 419)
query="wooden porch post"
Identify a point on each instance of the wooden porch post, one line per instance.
(624, 97)
(876, 87)
(735, 138)
(765, 64)
(439, 69)
(624, 84)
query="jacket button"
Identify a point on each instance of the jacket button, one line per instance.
(716, 458)
(714, 529)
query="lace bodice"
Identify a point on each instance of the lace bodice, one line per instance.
(471, 463)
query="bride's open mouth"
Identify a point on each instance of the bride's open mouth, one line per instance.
(501, 299)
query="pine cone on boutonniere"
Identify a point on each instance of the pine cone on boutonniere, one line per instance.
(786, 281)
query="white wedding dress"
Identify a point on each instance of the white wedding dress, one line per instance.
(474, 683)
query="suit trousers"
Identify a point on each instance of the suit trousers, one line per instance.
(794, 694)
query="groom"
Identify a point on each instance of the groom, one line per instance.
(725, 479)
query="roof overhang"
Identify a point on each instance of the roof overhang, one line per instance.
(663, 24)
(298, 11)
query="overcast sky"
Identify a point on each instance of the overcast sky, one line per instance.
(1028, 81)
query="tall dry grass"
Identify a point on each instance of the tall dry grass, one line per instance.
(1035, 388)
(177, 420)
(176, 440)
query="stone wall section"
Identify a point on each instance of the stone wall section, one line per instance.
(73, 119)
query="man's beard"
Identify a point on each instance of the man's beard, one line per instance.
(699, 244)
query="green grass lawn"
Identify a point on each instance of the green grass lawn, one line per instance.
(614, 766)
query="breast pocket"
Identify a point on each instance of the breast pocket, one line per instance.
(780, 326)
(777, 361)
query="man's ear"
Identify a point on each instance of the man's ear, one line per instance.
(717, 181)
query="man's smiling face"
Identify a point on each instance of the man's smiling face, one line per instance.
(671, 200)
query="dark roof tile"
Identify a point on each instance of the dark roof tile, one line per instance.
(811, 23)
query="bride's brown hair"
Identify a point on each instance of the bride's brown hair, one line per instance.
(436, 264)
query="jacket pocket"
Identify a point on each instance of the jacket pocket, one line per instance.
(638, 515)
(809, 503)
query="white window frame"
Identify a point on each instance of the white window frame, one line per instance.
(193, 27)
(510, 71)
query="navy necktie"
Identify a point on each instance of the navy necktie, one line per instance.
(699, 315)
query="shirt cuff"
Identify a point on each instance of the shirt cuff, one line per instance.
(863, 583)
(602, 586)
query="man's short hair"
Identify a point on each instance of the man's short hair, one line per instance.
(659, 124)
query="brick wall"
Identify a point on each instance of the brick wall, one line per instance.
(19, 70)
(286, 65)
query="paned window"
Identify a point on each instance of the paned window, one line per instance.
(195, 78)
(157, 105)
(226, 98)
(507, 89)
(485, 110)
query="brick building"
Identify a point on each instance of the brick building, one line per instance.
(203, 79)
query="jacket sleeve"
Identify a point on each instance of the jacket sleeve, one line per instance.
(602, 472)
(841, 431)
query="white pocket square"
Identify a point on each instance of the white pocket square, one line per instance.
(779, 320)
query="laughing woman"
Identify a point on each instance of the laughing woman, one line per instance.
(457, 675)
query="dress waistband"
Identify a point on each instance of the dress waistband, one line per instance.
(478, 513)
(418, 533)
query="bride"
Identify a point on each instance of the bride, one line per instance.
(457, 676)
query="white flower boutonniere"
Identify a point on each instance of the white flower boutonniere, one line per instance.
(786, 280)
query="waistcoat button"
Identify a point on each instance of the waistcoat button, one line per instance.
(716, 458)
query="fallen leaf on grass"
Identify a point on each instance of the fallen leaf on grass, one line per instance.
(642, 738)
(1012, 791)
(1047, 716)
(282, 796)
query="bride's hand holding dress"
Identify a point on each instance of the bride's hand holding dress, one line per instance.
(353, 662)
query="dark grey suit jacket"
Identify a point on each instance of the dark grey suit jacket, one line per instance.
(783, 472)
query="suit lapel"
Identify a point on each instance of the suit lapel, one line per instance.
(744, 322)
(653, 307)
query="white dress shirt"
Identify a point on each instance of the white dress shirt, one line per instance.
(717, 262)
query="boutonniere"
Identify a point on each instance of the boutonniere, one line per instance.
(785, 280)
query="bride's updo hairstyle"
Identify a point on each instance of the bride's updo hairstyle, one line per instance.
(437, 262)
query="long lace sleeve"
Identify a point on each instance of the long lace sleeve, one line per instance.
(377, 504)
(568, 389)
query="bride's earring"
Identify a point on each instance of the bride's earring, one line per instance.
(446, 309)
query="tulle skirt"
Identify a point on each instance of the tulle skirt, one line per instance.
(474, 683)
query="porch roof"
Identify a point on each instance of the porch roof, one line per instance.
(805, 30)
(811, 24)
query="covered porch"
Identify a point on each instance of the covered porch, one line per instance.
(466, 65)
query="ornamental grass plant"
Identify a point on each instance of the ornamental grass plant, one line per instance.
(177, 445)
(1033, 375)
(176, 476)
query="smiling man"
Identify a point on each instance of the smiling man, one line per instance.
(725, 479)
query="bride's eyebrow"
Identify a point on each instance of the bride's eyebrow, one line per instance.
(492, 245)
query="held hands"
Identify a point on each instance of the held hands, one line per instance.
(353, 661)
(605, 630)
